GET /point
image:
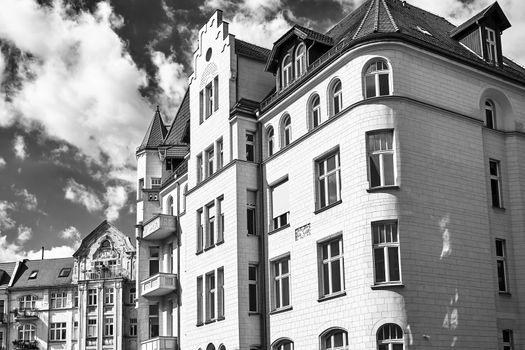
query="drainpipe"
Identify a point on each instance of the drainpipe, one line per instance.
(177, 234)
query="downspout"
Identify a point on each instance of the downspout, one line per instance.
(177, 234)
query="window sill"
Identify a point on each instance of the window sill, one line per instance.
(199, 324)
(382, 188)
(320, 210)
(57, 341)
(281, 310)
(498, 208)
(210, 321)
(208, 248)
(332, 296)
(254, 313)
(220, 319)
(219, 243)
(388, 285)
(279, 229)
(507, 294)
(252, 235)
(198, 252)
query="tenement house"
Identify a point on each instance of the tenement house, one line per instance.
(361, 185)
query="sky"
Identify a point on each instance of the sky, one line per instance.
(79, 83)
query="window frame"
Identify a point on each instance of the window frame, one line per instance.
(335, 97)
(495, 184)
(501, 262)
(270, 140)
(92, 297)
(26, 332)
(314, 111)
(330, 334)
(278, 276)
(210, 160)
(283, 220)
(300, 60)
(57, 331)
(210, 225)
(58, 300)
(251, 212)
(210, 295)
(253, 287)
(286, 130)
(385, 248)
(322, 180)
(132, 327)
(199, 168)
(491, 45)
(490, 114)
(329, 260)
(109, 295)
(286, 71)
(200, 230)
(381, 154)
(376, 74)
(250, 145)
(390, 342)
(280, 344)
(27, 299)
(507, 339)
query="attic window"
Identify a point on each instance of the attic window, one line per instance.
(492, 55)
(423, 30)
(33, 275)
(64, 272)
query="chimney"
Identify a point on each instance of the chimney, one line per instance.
(42, 253)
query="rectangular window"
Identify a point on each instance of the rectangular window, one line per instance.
(132, 295)
(280, 205)
(210, 226)
(109, 295)
(199, 168)
(155, 182)
(250, 146)
(251, 216)
(140, 187)
(108, 326)
(200, 230)
(281, 283)
(75, 330)
(171, 258)
(57, 331)
(508, 341)
(331, 267)
(92, 297)
(92, 327)
(210, 296)
(252, 288)
(132, 327)
(386, 252)
(153, 320)
(380, 158)
(220, 154)
(210, 155)
(75, 296)
(492, 55)
(216, 93)
(154, 256)
(199, 299)
(220, 293)
(220, 229)
(201, 106)
(58, 300)
(501, 261)
(328, 180)
(495, 183)
(209, 99)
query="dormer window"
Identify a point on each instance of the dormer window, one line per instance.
(300, 60)
(287, 76)
(490, 42)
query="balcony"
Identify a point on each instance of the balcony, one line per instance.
(25, 344)
(159, 227)
(158, 285)
(159, 343)
(26, 315)
(105, 273)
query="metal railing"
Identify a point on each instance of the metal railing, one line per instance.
(106, 273)
(25, 344)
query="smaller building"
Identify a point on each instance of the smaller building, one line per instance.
(82, 302)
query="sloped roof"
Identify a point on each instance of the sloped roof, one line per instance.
(175, 135)
(103, 228)
(6, 271)
(377, 19)
(47, 275)
(493, 9)
(249, 50)
(155, 134)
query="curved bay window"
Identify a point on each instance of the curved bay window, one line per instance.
(335, 95)
(377, 79)
(314, 111)
(286, 127)
(390, 337)
(286, 71)
(334, 339)
(300, 60)
(271, 141)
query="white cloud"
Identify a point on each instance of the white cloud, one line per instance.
(14, 252)
(171, 78)
(116, 197)
(24, 234)
(2, 163)
(30, 201)
(6, 222)
(19, 147)
(71, 233)
(80, 194)
(84, 86)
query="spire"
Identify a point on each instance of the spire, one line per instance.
(377, 19)
(155, 133)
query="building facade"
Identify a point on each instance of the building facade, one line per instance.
(83, 302)
(360, 188)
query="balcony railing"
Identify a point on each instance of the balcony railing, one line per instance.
(26, 314)
(159, 227)
(159, 343)
(159, 285)
(105, 273)
(25, 344)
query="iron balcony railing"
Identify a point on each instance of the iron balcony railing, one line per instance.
(105, 273)
(25, 314)
(25, 344)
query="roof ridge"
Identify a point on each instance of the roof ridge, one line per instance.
(363, 20)
(390, 15)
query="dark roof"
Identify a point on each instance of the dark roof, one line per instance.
(47, 276)
(243, 48)
(493, 9)
(155, 133)
(175, 135)
(245, 107)
(377, 19)
(6, 271)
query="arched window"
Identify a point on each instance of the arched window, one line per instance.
(27, 302)
(27, 332)
(300, 60)
(390, 337)
(222, 347)
(490, 114)
(286, 71)
(106, 244)
(286, 129)
(314, 111)
(210, 347)
(377, 79)
(184, 197)
(170, 205)
(334, 339)
(335, 95)
(271, 140)
(285, 344)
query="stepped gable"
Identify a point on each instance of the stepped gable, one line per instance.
(155, 134)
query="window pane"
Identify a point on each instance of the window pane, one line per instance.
(499, 248)
(494, 185)
(322, 193)
(375, 177)
(388, 166)
(286, 291)
(330, 163)
(336, 276)
(326, 280)
(332, 188)
(397, 346)
(334, 248)
(253, 297)
(493, 168)
(502, 284)
(325, 251)
(278, 294)
(379, 264)
(370, 86)
(284, 267)
(393, 261)
(383, 85)
(252, 273)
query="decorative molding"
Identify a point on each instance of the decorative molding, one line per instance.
(302, 232)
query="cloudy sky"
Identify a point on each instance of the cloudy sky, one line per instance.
(79, 81)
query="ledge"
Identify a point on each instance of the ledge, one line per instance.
(199, 252)
(208, 248)
(502, 209)
(254, 313)
(279, 229)
(505, 294)
(199, 324)
(332, 296)
(210, 321)
(281, 310)
(222, 318)
(387, 285)
(220, 242)
(320, 210)
(383, 188)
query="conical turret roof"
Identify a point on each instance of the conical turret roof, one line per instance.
(155, 133)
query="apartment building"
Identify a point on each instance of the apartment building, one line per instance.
(83, 302)
(362, 185)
